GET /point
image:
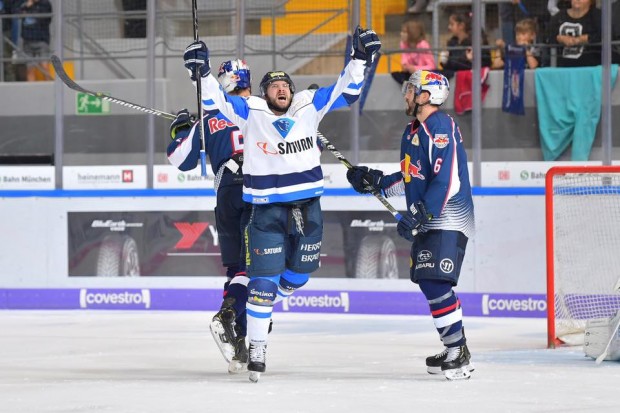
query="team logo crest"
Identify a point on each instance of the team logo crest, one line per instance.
(283, 126)
(415, 140)
(441, 140)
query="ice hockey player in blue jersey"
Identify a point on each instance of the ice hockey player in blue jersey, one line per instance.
(440, 216)
(282, 177)
(224, 145)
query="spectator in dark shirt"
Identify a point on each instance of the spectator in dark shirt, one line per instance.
(36, 35)
(525, 35)
(459, 25)
(576, 29)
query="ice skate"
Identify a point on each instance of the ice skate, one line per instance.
(433, 363)
(258, 356)
(222, 330)
(239, 362)
(456, 365)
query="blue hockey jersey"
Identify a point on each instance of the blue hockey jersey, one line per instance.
(434, 171)
(223, 140)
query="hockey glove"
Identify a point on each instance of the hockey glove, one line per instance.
(197, 56)
(181, 122)
(364, 180)
(409, 225)
(365, 45)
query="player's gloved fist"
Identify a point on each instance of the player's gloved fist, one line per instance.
(182, 121)
(364, 180)
(196, 56)
(410, 223)
(365, 45)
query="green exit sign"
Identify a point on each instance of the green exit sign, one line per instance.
(89, 105)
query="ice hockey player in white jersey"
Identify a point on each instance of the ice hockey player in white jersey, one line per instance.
(282, 176)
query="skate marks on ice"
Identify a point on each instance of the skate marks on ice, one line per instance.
(166, 361)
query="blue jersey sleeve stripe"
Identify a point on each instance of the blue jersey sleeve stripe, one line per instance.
(282, 181)
(240, 106)
(355, 86)
(322, 97)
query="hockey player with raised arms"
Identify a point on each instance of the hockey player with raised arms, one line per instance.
(440, 216)
(224, 145)
(282, 177)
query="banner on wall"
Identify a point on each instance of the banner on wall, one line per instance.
(27, 177)
(104, 177)
(303, 301)
(356, 244)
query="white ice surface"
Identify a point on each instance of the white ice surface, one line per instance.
(126, 362)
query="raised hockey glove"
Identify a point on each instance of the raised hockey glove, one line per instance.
(364, 180)
(409, 225)
(365, 45)
(197, 56)
(181, 122)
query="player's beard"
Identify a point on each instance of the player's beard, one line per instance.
(277, 105)
(411, 108)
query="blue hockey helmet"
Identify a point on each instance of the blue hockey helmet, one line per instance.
(234, 75)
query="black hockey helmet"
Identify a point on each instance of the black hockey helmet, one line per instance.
(271, 77)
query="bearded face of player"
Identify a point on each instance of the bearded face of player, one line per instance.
(279, 96)
(412, 100)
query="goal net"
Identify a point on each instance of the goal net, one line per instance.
(583, 249)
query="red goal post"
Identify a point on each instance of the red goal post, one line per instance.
(583, 248)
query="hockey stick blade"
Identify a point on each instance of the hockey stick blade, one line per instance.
(60, 72)
(346, 163)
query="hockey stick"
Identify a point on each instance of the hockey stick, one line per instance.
(346, 163)
(203, 153)
(60, 72)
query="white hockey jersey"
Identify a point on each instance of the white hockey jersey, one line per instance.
(281, 156)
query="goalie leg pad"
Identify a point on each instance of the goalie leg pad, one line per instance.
(602, 338)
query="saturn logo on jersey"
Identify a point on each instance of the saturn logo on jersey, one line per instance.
(264, 146)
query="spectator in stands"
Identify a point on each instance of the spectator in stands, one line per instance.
(525, 35)
(36, 35)
(8, 7)
(459, 55)
(413, 36)
(575, 30)
(538, 10)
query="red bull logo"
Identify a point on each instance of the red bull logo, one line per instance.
(441, 140)
(410, 170)
(430, 77)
